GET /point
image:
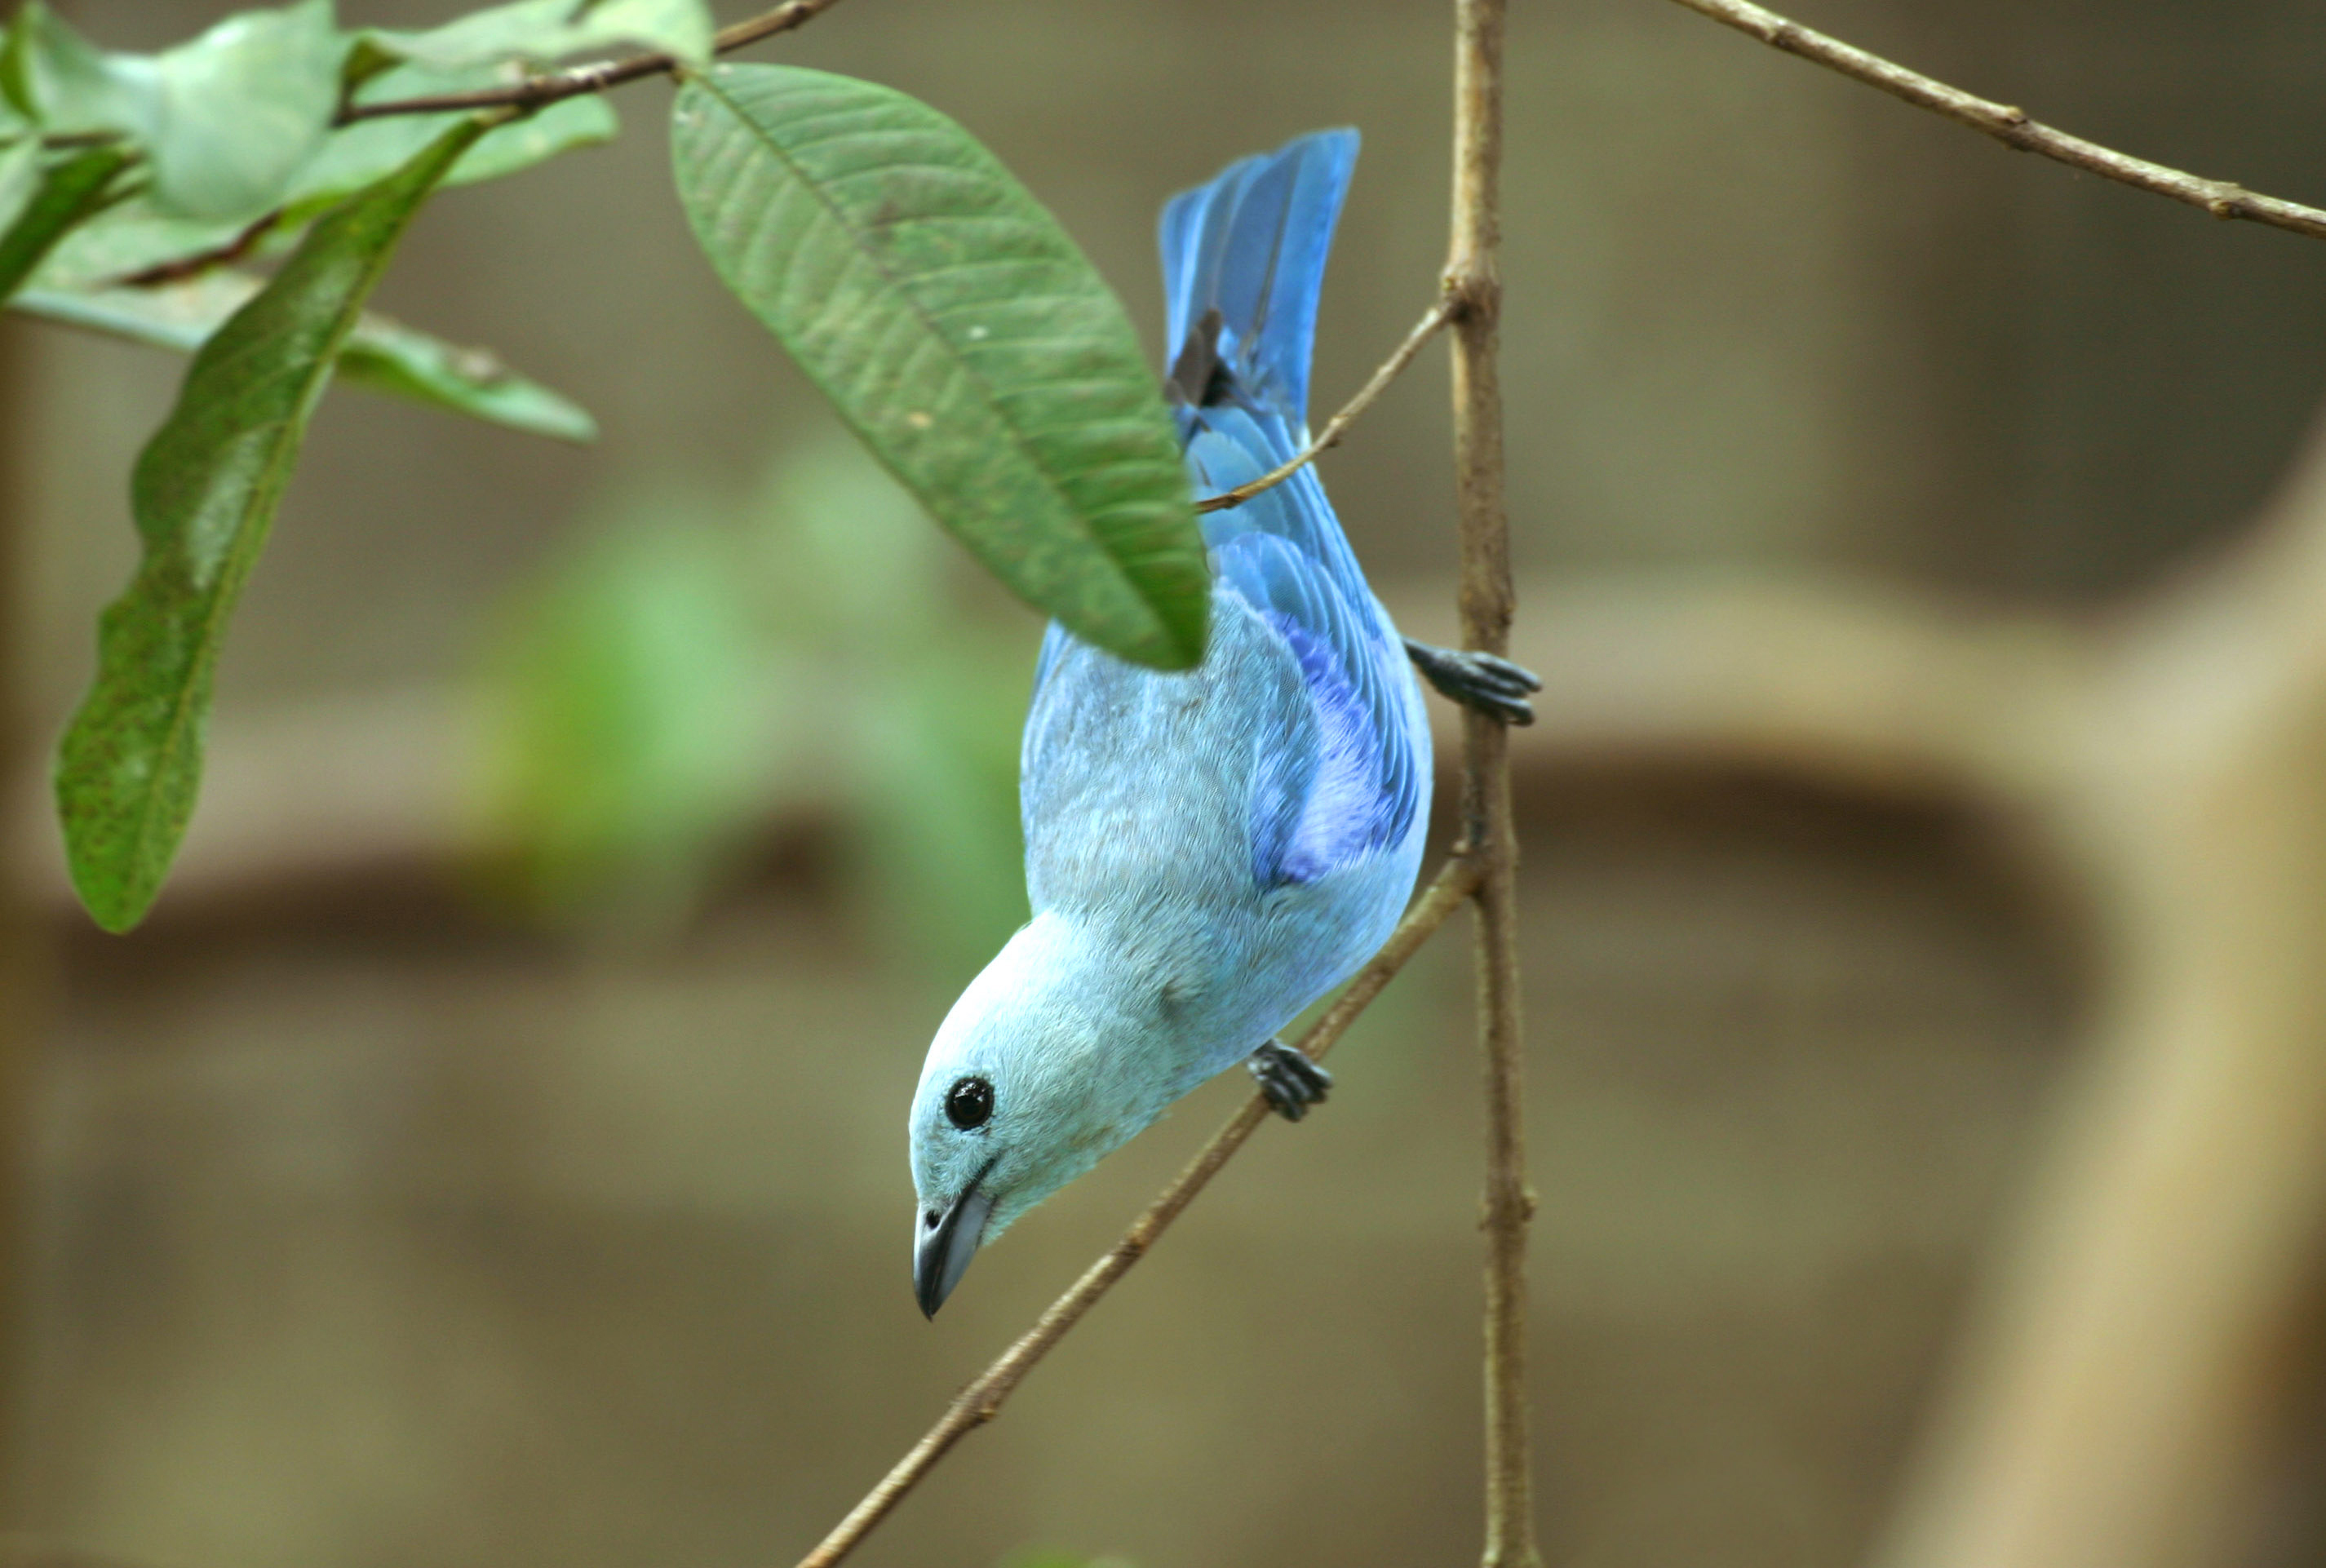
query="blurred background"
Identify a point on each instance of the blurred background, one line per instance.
(491, 1152)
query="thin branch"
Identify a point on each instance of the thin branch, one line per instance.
(2009, 125)
(180, 268)
(982, 1400)
(1436, 316)
(1474, 280)
(537, 91)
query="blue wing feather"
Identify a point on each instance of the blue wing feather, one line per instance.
(1250, 245)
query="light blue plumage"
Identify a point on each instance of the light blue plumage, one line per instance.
(1209, 851)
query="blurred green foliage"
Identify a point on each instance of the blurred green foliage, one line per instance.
(701, 663)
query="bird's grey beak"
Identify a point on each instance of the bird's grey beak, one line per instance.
(942, 1245)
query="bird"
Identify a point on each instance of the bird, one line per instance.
(1210, 850)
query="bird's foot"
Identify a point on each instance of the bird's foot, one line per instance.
(1288, 1079)
(1494, 687)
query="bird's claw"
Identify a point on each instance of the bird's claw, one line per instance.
(1288, 1080)
(1493, 686)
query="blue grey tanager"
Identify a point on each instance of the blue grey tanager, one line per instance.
(1207, 852)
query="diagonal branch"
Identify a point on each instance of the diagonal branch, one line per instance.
(538, 91)
(2010, 125)
(1436, 316)
(982, 1400)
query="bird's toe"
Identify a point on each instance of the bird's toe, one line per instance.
(1288, 1080)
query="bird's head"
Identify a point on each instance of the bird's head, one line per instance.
(1037, 1073)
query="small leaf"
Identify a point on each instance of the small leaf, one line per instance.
(204, 496)
(68, 85)
(134, 237)
(236, 111)
(383, 355)
(539, 31)
(961, 333)
(227, 118)
(390, 357)
(20, 178)
(357, 154)
(70, 193)
(131, 238)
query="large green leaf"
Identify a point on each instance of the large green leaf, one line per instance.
(380, 353)
(67, 194)
(204, 496)
(961, 333)
(540, 31)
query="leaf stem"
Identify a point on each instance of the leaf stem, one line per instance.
(538, 91)
(2009, 125)
(1436, 316)
(979, 1403)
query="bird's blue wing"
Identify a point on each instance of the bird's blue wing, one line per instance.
(1282, 552)
(1243, 265)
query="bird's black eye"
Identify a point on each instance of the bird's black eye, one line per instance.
(969, 1102)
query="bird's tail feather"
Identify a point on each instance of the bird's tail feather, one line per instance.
(1243, 262)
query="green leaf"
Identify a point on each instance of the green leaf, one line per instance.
(226, 119)
(381, 354)
(136, 235)
(539, 31)
(204, 496)
(961, 333)
(66, 84)
(236, 111)
(392, 358)
(69, 193)
(20, 179)
(130, 237)
(357, 154)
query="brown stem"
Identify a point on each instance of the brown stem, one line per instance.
(1436, 316)
(2007, 124)
(180, 268)
(1474, 281)
(982, 1400)
(537, 91)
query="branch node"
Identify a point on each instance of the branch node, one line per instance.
(1474, 296)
